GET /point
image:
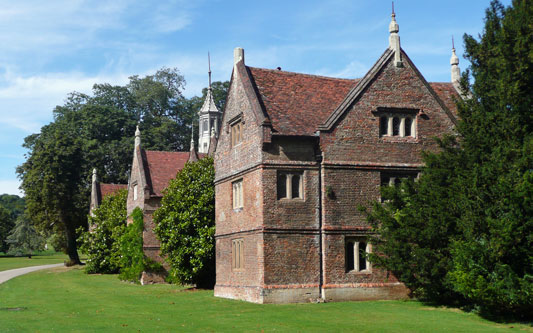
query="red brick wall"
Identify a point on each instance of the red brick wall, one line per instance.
(231, 160)
(291, 213)
(250, 217)
(291, 259)
(252, 273)
(350, 188)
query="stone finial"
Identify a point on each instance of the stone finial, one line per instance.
(137, 137)
(238, 55)
(454, 61)
(394, 39)
(95, 176)
(192, 138)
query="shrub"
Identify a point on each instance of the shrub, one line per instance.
(132, 259)
(101, 244)
(185, 224)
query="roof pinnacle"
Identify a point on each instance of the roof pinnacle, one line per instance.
(454, 61)
(394, 38)
(137, 137)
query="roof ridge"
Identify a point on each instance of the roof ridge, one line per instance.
(304, 74)
(164, 151)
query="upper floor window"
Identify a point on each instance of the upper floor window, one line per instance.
(237, 194)
(356, 255)
(397, 123)
(205, 127)
(290, 185)
(236, 133)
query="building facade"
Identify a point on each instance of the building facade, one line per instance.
(297, 154)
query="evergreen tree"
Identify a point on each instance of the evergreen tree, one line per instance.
(185, 224)
(6, 224)
(24, 239)
(464, 231)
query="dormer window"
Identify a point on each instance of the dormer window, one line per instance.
(397, 122)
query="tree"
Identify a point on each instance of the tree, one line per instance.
(101, 243)
(6, 224)
(471, 212)
(24, 239)
(12, 203)
(185, 224)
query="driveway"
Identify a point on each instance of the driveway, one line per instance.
(9, 274)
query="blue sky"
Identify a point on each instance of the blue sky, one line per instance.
(50, 48)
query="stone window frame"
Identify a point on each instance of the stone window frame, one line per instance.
(289, 176)
(397, 123)
(237, 191)
(135, 190)
(394, 177)
(237, 254)
(235, 128)
(356, 259)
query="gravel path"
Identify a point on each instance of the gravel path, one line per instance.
(9, 274)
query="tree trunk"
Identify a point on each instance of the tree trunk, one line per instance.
(72, 249)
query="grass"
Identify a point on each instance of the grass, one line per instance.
(41, 258)
(66, 299)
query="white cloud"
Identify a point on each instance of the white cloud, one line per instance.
(10, 187)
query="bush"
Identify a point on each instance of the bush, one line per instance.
(131, 249)
(185, 224)
(132, 261)
(101, 244)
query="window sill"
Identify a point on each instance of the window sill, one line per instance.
(291, 200)
(399, 139)
(363, 272)
(236, 210)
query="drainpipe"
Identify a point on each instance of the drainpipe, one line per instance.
(319, 159)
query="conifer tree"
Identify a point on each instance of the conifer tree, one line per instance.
(464, 231)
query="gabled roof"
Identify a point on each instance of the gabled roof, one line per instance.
(297, 103)
(162, 166)
(301, 104)
(110, 189)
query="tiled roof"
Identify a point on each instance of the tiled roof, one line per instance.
(447, 94)
(109, 189)
(162, 166)
(297, 103)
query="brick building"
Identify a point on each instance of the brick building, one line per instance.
(101, 190)
(295, 157)
(151, 172)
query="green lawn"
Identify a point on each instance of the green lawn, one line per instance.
(66, 299)
(42, 258)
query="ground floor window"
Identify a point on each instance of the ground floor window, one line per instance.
(237, 253)
(356, 255)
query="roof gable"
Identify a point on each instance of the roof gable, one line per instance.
(359, 89)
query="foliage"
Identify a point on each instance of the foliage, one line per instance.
(6, 224)
(105, 304)
(132, 260)
(185, 224)
(97, 132)
(13, 203)
(23, 238)
(131, 249)
(470, 216)
(101, 241)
